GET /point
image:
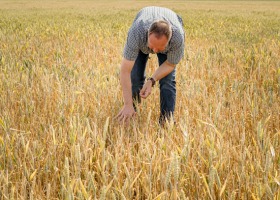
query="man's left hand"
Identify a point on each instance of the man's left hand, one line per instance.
(146, 90)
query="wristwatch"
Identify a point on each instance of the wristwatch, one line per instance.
(153, 81)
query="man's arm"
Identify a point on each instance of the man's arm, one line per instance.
(126, 67)
(127, 110)
(165, 69)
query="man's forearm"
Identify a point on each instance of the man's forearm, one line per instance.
(126, 67)
(126, 88)
(165, 69)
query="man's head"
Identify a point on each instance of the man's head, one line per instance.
(159, 35)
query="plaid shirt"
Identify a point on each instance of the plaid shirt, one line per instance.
(137, 39)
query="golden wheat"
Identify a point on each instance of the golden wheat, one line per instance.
(60, 91)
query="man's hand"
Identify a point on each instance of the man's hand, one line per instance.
(126, 114)
(165, 69)
(127, 111)
(146, 89)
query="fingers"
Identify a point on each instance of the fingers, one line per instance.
(118, 115)
(127, 113)
(120, 118)
(145, 94)
(123, 118)
(142, 91)
(145, 91)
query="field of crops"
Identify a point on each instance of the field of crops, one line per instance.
(60, 92)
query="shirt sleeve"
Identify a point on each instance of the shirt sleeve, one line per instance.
(131, 48)
(176, 51)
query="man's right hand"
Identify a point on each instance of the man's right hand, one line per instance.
(126, 113)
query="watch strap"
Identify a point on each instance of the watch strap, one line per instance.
(153, 81)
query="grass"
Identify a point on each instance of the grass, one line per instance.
(59, 89)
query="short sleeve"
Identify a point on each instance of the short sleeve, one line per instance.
(131, 48)
(176, 51)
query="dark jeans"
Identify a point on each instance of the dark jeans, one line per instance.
(167, 85)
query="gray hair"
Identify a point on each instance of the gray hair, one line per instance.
(161, 28)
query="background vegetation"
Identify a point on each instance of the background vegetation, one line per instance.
(59, 89)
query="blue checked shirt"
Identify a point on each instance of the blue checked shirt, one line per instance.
(137, 39)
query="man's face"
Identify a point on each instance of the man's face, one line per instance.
(157, 44)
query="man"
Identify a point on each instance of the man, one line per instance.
(154, 30)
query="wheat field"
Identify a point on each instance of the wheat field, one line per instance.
(60, 92)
